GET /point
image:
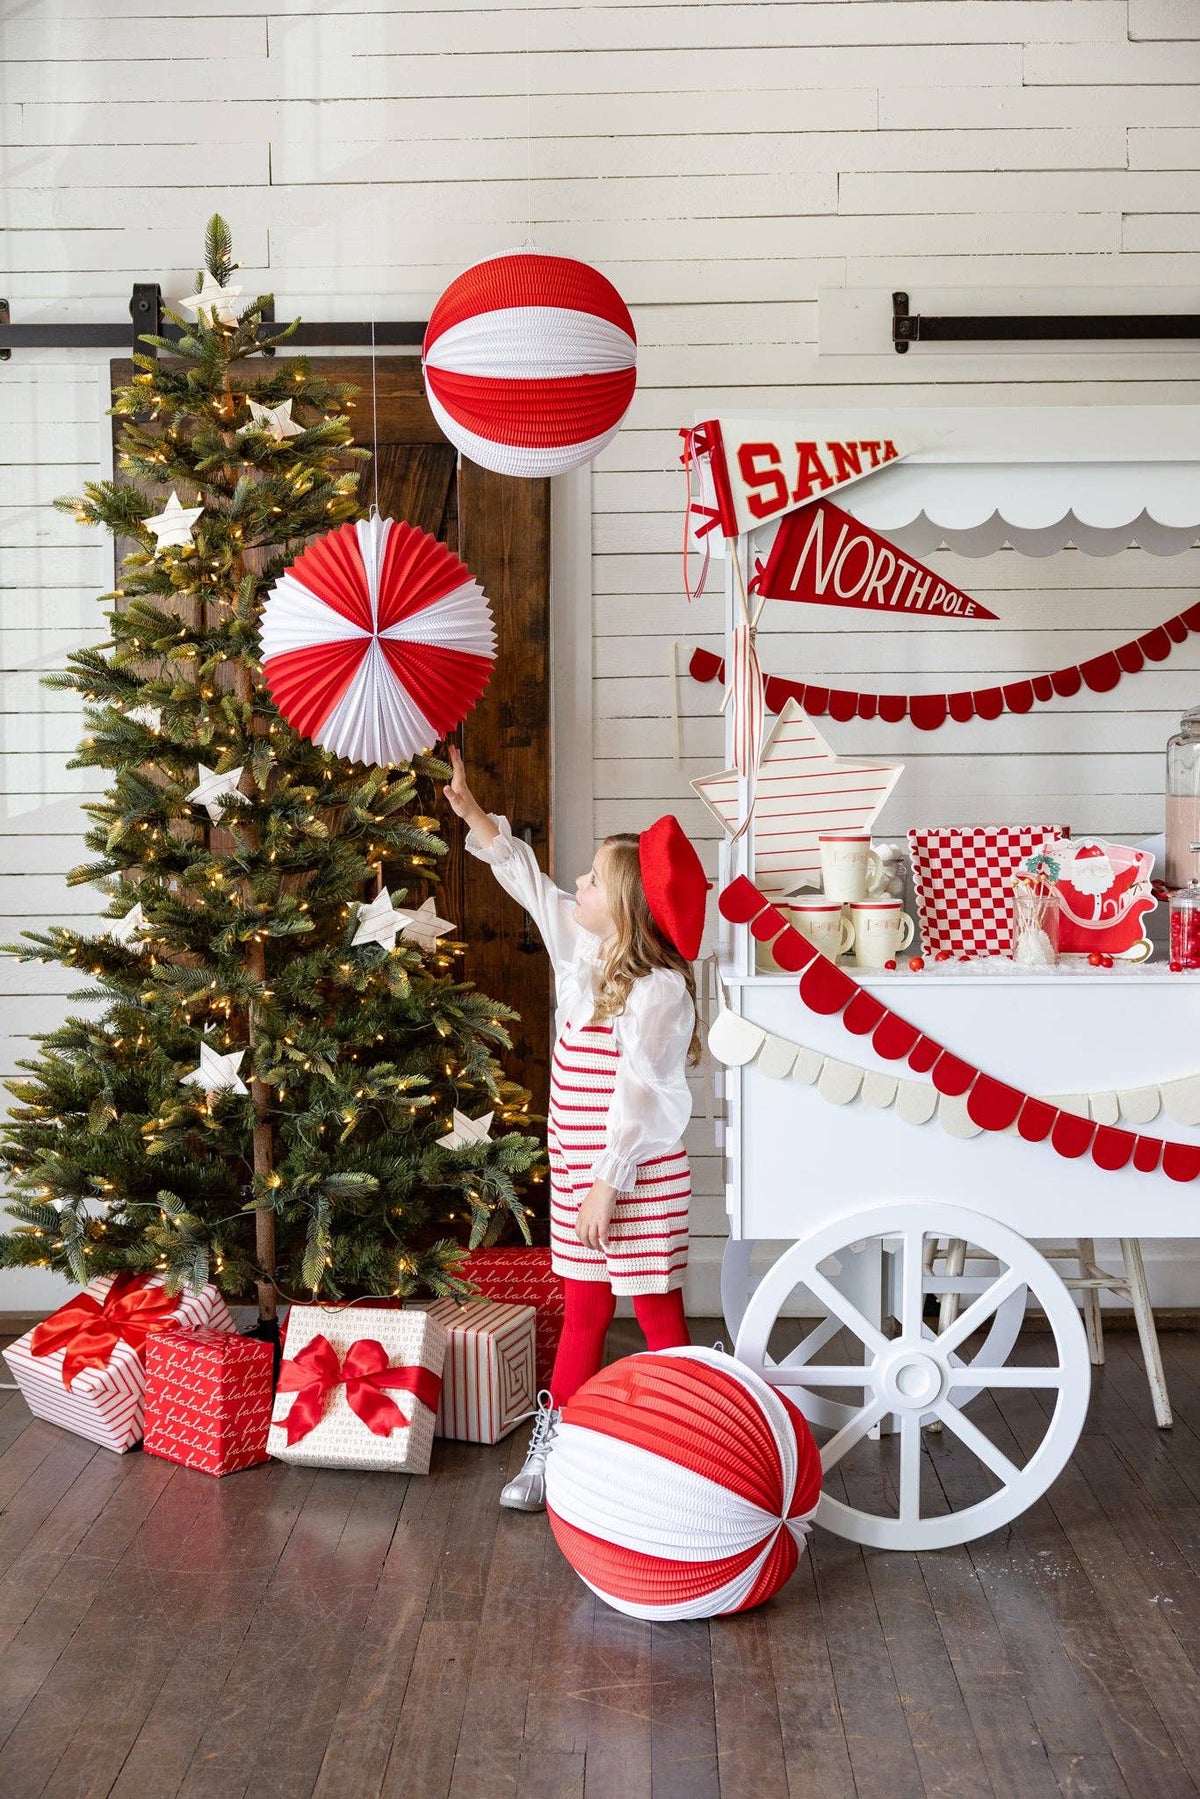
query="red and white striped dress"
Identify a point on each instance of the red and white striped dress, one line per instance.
(619, 1095)
(648, 1238)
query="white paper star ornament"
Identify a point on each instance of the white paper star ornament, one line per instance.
(125, 929)
(215, 300)
(217, 1074)
(173, 525)
(212, 788)
(802, 789)
(277, 420)
(465, 1131)
(379, 922)
(424, 927)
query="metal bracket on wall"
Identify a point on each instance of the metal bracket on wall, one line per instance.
(914, 327)
(146, 312)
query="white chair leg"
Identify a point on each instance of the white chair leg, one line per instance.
(1086, 1249)
(956, 1261)
(1139, 1294)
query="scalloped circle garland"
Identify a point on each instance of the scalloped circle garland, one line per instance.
(972, 1100)
(928, 711)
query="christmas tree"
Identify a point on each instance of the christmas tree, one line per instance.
(257, 1100)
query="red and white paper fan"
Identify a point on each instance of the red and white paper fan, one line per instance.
(377, 641)
(530, 363)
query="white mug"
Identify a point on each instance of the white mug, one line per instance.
(850, 869)
(823, 922)
(881, 931)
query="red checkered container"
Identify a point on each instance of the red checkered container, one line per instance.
(208, 1399)
(962, 877)
(523, 1277)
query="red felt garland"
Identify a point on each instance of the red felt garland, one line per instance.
(928, 711)
(991, 1104)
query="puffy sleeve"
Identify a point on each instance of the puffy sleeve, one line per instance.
(515, 866)
(651, 1101)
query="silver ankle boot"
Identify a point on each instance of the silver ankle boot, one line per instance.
(526, 1491)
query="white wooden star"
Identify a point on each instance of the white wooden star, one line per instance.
(215, 300)
(379, 922)
(465, 1131)
(802, 789)
(130, 926)
(277, 420)
(150, 716)
(173, 525)
(424, 927)
(217, 1074)
(212, 789)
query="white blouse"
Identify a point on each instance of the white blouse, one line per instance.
(651, 1101)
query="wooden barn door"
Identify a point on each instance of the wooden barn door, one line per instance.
(500, 526)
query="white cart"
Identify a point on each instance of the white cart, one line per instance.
(870, 1202)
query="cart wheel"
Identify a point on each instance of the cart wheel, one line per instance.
(906, 1492)
(951, 1289)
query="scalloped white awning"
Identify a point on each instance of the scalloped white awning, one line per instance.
(1037, 478)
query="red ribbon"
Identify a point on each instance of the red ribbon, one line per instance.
(89, 1329)
(316, 1371)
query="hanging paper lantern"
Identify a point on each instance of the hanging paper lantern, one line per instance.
(680, 1485)
(377, 641)
(530, 363)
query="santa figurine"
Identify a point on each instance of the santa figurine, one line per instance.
(1104, 894)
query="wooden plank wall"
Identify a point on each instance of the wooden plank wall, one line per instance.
(743, 172)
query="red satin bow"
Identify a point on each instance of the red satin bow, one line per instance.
(316, 1371)
(89, 1329)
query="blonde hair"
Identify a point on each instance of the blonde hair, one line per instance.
(638, 946)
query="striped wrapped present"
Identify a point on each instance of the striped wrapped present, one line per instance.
(489, 1375)
(84, 1367)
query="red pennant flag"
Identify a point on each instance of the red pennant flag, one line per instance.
(824, 557)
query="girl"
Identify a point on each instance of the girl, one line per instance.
(620, 1184)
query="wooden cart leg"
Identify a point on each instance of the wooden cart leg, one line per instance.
(1086, 1248)
(1139, 1295)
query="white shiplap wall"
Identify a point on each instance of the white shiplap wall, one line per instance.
(745, 173)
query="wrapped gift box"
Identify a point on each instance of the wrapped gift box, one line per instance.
(962, 876)
(359, 1388)
(84, 1366)
(523, 1277)
(489, 1380)
(208, 1399)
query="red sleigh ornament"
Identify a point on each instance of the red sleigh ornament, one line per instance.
(1103, 895)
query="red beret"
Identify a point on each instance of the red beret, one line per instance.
(674, 884)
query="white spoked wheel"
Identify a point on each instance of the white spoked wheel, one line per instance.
(956, 1287)
(916, 1484)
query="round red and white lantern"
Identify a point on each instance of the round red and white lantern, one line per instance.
(681, 1485)
(530, 363)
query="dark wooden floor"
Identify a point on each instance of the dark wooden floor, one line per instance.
(289, 1632)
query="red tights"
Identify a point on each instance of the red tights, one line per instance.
(588, 1312)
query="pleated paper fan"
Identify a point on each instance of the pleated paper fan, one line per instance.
(377, 641)
(680, 1485)
(530, 363)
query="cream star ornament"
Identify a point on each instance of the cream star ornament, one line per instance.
(212, 788)
(173, 525)
(465, 1131)
(130, 926)
(802, 789)
(217, 1074)
(277, 420)
(379, 922)
(424, 927)
(150, 716)
(215, 300)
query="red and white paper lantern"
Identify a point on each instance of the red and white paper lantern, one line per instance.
(530, 363)
(376, 641)
(681, 1485)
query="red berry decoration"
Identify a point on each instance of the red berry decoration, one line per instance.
(916, 963)
(890, 963)
(1096, 959)
(944, 955)
(1106, 961)
(1175, 967)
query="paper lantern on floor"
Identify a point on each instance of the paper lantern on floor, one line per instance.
(680, 1485)
(376, 641)
(530, 363)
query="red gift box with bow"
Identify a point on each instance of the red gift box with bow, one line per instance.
(84, 1367)
(358, 1388)
(208, 1399)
